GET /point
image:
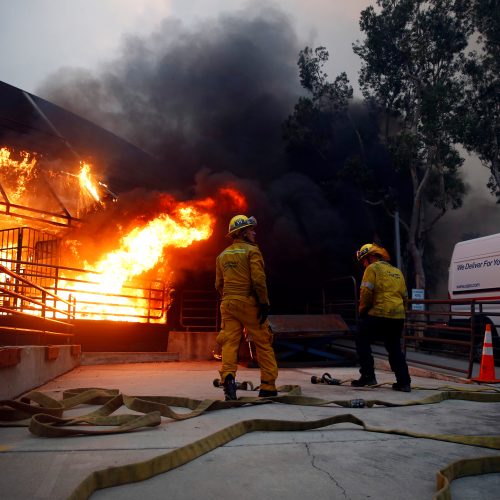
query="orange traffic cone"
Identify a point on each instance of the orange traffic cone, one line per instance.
(487, 368)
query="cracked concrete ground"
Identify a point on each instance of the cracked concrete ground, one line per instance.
(341, 461)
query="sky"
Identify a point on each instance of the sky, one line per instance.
(38, 37)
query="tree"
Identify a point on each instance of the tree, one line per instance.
(478, 119)
(335, 141)
(311, 131)
(329, 134)
(410, 67)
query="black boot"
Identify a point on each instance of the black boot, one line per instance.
(229, 388)
(364, 381)
(401, 387)
(264, 393)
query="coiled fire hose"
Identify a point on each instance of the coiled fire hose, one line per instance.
(45, 417)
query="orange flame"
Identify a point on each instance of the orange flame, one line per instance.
(142, 249)
(237, 199)
(86, 181)
(19, 172)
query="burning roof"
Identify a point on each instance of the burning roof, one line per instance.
(46, 194)
(29, 123)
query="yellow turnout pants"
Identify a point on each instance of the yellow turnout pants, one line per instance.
(236, 315)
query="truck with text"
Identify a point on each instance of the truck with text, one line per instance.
(474, 276)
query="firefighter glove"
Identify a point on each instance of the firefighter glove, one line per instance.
(263, 313)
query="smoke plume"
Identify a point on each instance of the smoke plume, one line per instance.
(209, 102)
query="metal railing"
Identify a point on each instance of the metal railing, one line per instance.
(340, 296)
(436, 328)
(38, 320)
(444, 329)
(140, 301)
(42, 305)
(63, 218)
(199, 310)
(436, 335)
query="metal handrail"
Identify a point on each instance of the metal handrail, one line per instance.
(426, 320)
(349, 302)
(199, 309)
(146, 300)
(43, 305)
(12, 330)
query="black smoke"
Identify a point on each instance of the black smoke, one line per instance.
(212, 96)
(209, 103)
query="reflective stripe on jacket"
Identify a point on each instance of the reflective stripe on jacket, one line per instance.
(383, 291)
(239, 272)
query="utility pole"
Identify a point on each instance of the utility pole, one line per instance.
(397, 241)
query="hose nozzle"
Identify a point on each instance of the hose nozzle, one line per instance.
(326, 378)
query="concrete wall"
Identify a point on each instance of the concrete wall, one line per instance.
(192, 346)
(113, 358)
(26, 367)
(120, 336)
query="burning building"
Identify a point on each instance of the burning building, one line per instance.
(208, 104)
(75, 245)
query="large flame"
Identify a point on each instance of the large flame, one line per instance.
(106, 289)
(143, 248)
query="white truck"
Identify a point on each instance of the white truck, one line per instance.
(474, 274)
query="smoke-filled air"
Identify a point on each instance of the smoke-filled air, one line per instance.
(210, 102)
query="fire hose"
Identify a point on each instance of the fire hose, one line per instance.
(45, 417)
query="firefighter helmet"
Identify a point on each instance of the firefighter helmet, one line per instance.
(239, 222)
(372, 249)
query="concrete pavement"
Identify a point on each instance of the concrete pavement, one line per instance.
(341, 461)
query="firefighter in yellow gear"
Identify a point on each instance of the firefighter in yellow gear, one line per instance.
(383, 300)
(240, 279)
